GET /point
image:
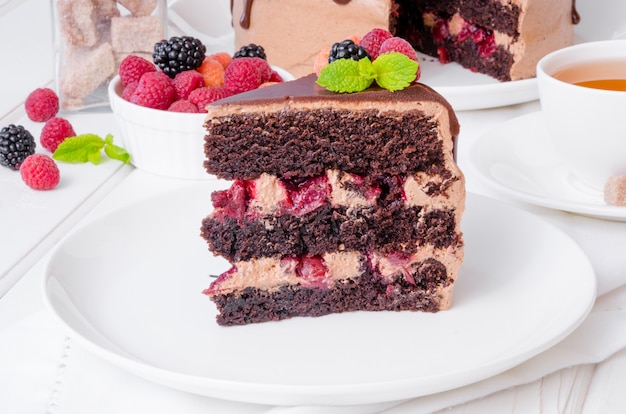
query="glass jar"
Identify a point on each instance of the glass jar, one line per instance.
(91, 37)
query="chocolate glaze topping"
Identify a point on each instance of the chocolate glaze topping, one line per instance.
(305, 89)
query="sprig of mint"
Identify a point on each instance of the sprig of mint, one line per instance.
(88, 148)
(393, 71)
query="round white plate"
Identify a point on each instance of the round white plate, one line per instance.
(128, 286)
(464, 89)
(519, 159)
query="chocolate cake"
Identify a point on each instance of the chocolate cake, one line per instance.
(501, 38)
(339, 202)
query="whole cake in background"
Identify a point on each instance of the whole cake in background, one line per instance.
(340, 201)
(501, 38)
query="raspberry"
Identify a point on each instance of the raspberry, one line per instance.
(397, 44)
(154, 90)
(183, 105)
(42, 104)
(222, 57)
(187, 81)
(129, 90)
(40, 172)
(54, 132)
(373, 40)
(212, 71)
(16, 143)
(201, 97)
(243, 74)
(132, 67)
(263, 67)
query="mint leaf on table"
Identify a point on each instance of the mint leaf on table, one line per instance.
(394, 71)
(115, 152)
(79, 149)
(88, 148)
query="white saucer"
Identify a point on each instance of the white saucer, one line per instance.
(518, 158)
(128, 288)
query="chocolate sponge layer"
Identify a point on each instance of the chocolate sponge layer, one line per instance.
(328, 229)
(306, 143)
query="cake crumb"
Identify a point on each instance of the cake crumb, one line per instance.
(615, 191)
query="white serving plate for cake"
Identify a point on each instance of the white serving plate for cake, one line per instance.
(130, 291)
(464, 89)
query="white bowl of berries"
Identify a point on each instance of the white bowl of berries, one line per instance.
(161, 116)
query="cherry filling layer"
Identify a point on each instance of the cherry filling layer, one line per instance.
(482, 38)
(302, 196)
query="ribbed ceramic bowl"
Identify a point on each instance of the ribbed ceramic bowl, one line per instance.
(161, 142)
(166, 143)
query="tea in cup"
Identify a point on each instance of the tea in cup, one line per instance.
(582, 89)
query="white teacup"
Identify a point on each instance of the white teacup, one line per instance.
(587, 125)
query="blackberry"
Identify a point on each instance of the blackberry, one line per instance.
(347, 50)
(178, 54)
(16, 143)
(251, 50)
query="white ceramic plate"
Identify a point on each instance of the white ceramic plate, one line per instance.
(519, 159)
(128, 286)
(464, 89)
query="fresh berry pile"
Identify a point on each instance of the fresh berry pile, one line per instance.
(183, 79)
(352, 65)
(373, 44)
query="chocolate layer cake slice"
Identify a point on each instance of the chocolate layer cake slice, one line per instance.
(339, 202)
(501, 38)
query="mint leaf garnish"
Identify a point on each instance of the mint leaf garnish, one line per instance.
(115, 152)
(394, 71)
(88, 148)
(347, 75)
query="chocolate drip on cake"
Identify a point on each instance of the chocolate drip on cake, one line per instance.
(575, 15)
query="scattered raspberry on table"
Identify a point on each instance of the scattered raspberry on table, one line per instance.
(40, 172)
